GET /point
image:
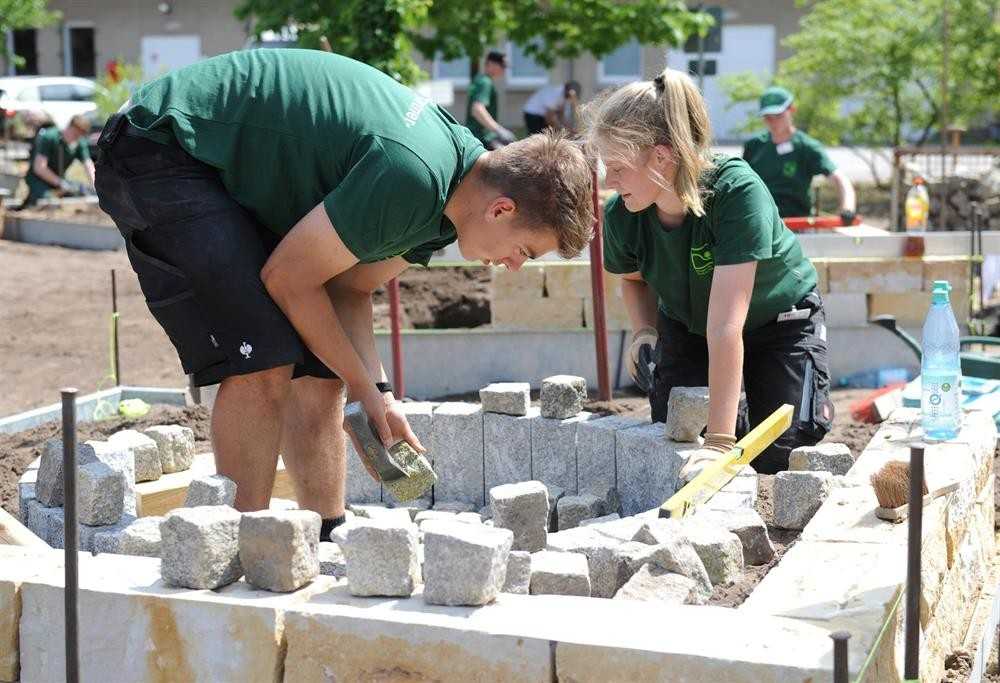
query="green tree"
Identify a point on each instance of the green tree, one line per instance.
(868, 72)
(376, 32)
(18, 14)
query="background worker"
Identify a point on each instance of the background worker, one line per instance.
(264, 194)
(553, 106)
(52, 152)
(481, 109)
(711, 275)
(787, 159)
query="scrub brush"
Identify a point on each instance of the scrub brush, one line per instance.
(892, 488)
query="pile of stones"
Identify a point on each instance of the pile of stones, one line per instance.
(107, 472)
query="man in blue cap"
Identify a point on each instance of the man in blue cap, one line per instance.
(786, 159)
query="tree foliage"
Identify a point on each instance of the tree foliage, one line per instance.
(18, 14)
(869, 72)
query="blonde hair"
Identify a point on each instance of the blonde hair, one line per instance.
(668, 110)
(550, 180)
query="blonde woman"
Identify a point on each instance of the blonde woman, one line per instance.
(712, 277)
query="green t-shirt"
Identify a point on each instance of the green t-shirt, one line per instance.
(481, 89)
(740, 225)
(49, 143)
(289, 129)
(788, 169)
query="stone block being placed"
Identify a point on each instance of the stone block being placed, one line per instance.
(381, 558)
(571, 510)
(141, 537)
(522, 508)
(562, 396)
(748, 526)
(797, 497)
(824, 457)
(596, 441)
(648, 465)
(420, 416)
(176, 446)
(214, 489)
(331, 560)
(518, 578)
(200, 547)
(720, 551)
(100, 494)
(507, 398)
(557, 573)
(507, 448)
(457, 449)
(653, 583)
(144, 451)
(464, 564)
(687, 413)
(602, 566)
(279, 550)
(553, 450)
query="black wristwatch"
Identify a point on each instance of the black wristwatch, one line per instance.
(384, 387)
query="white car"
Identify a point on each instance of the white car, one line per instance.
(36, 100)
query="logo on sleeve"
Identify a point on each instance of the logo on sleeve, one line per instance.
(702, 262)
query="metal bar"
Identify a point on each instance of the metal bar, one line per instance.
(114, 328)
(597, 294)
(195, 391)
(911, 667)
(840, 639)
(71, 535)
(398, 380)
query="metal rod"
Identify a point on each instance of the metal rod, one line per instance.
(114, 328)
(597, 294)
(840, 639)
(398, 379)
(194, 390)
(71, 536)
(911, 667)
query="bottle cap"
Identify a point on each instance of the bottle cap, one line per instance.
(919, 180)
(940, 290)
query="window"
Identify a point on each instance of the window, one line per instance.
(523, 69)
(713, 39)
(28, 95)
(60, 92)
(79, 55)
(711, 67)
(83, 93)
(622, 65)
(26, 47)
(454, 70)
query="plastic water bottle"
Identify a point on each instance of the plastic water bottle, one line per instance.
(917, 205)
(940, 368)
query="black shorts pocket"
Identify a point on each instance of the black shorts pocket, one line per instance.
(816, 411)
(172, 301)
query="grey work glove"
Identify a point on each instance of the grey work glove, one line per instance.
(505, 136)
(640, 357)
(714, 447)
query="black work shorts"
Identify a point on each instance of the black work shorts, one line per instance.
(534, 123)
(783, 362)
(198, 256)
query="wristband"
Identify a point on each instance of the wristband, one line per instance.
(384, 387)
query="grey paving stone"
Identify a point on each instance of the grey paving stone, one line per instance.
(648, 465)
(25, 493)
(518, 578)
(144, 450)
(558, 573)
(279, 551)
(524, 509)
(454, 506)
(571, 510)
(600, 520)
(464, 564)
(420, 416)
(213, 489)
(381, 558)
(141, 537)
(797, 497)
(687, 413)
(382, 513)
(602, 566)
(100, 494)
(331, 560)
(508, 398)
(507, 447)
(653, 583)
(749, 527)
(676, 554)
(176, 445)
(49, 485)
(720, 551)
(596, 441)
(120, 460)
(553, 450)
(824, 457)
(457, 449)
(562, 396)
(360, 487)
(200, 547)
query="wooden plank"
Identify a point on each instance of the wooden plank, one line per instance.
(168, 492)
(12, 532)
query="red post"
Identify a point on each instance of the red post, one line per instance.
(398, 384)
(597, 293)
